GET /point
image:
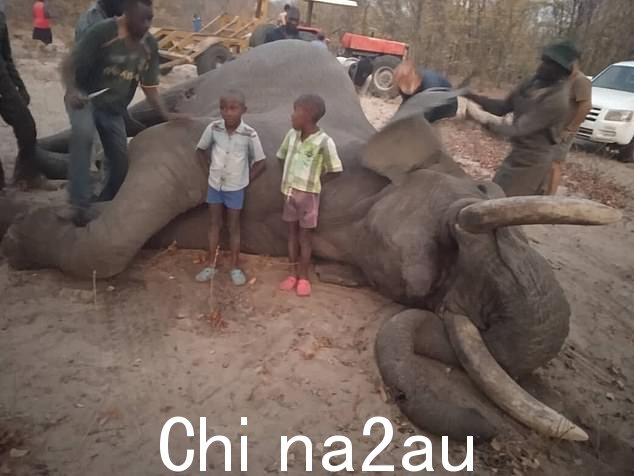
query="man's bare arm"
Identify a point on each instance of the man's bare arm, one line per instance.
(67, 70)
(75, 98)
(154, 98)
(497, 107)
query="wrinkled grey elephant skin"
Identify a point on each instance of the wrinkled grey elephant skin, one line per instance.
(397, 224)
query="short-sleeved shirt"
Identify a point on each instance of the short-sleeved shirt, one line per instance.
(580, 91)
(306, 161)
(231, 154)
(102, 59)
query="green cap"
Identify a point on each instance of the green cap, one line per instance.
(564, 53)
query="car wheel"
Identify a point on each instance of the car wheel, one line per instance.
(626, 154)
(382, 84)
(210, 59)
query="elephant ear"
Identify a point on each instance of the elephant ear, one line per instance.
(408, 142)
(423, 102)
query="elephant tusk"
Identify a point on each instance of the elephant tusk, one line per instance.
(487, 215)
(489, 376)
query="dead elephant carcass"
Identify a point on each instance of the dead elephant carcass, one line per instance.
(403, 213)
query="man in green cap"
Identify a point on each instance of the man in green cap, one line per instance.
(540, 107)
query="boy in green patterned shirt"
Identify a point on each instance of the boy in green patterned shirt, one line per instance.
(308, 153)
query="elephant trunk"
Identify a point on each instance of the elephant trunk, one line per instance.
(433, 399)
(156, 192)
(489, 376)
(54, 165)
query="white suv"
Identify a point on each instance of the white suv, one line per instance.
(611, 119)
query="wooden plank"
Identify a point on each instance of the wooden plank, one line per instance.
(170, 55)
(231, 23)
(246, 27)
(175, 62)
(212, 22)
(187, 40)
(169, 37)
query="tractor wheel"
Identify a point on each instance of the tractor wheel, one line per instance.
(626, 154)
(210, 59)
(259, 34)
(382, 84)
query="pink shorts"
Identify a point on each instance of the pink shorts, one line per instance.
(302, 207)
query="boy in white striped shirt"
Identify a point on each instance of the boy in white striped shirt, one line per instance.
(236, 157)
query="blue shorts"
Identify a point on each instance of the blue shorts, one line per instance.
(234, 199)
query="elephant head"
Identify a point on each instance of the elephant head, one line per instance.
(499, 312)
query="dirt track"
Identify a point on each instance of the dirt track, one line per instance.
(85, 389)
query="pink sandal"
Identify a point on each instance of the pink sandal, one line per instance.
(303, 288)
(289, 283)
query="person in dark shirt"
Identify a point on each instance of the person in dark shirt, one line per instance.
(411, 81)
(541, 112)
(101, 76)
(288, 31)
(360, 71)
(14, 101)
(98, 11)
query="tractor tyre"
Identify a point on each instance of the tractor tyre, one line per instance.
(382, 84)
(210, 59)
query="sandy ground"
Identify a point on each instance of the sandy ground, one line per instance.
(89, 376)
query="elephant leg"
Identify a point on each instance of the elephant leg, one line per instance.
(165, 179)
(435, 397)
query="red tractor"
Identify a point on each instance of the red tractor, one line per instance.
(383, 56)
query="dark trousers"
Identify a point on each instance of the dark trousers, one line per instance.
(111, 128)
(15, 113)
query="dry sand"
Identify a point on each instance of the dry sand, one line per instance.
(85, 388)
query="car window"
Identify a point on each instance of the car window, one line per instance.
(620, 78)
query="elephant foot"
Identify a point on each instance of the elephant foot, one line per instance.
(433, 396)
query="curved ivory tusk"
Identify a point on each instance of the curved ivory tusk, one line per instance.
(500, 387)
(487, 215)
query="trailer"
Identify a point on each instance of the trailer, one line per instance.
(218, 41)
